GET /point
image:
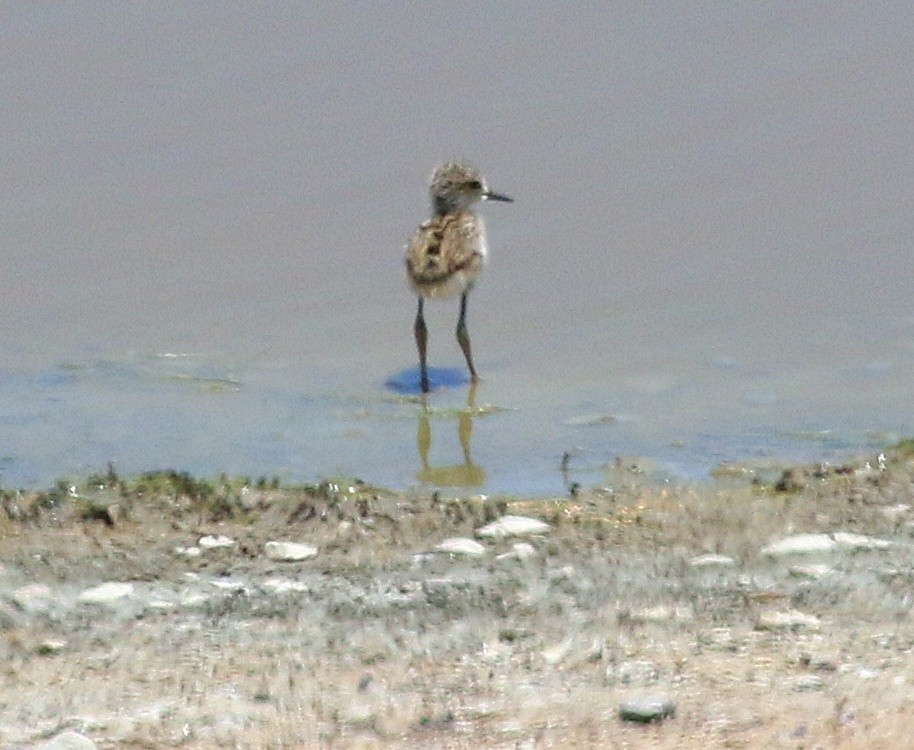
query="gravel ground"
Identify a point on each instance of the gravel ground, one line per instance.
(740, 613)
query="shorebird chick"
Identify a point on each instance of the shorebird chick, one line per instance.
(447, 252)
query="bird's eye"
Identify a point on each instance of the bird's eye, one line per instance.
(474, 185)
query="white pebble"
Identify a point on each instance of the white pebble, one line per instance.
(812, 572)
(520, 551)
(552, 655)
(800, 544)
(513, 526)
(105, 593)
(215, 542)
(228, 585)
(660, 614)
(847, 540)
(289, 551)
(786, 621)
(460, 545)
(193, 599)
(34, 598)
(283, 586)
(712, 560)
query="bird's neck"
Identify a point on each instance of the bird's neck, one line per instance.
(442, 207)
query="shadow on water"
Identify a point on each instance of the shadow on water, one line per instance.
(463, 474)
(406, 382)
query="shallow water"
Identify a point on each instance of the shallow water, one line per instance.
(204, 208)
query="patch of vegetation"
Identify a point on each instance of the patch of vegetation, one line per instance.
(443, 721)
(217, 500)
(17, 506)
(174, 483)
(267, 484)
(108, 498)
(904, 449)
(55, 497)
(791, 482)
(108, 479)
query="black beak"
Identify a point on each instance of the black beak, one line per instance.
(497, 197)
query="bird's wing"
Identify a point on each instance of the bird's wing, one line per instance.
(445, 245)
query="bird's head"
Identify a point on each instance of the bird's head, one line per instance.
(456, 187)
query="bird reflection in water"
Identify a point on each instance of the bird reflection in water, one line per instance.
(466, 474)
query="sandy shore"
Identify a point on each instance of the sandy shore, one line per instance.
(155, 613)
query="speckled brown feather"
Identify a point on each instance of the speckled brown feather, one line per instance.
(446, 254)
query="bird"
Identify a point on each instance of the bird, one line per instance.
(447, 253)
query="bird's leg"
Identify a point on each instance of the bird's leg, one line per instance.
(463, 338)
(421, 339)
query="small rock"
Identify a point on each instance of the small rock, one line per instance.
(648, 708)
(791, 620)
(188, 551)
(801, 544)
(283, 586)
(520, 551)
(215, 542)
(35, 598)
(807, 683)
(461, 546)
(228, 585)
(68, 741)
(807, 544)
(712, 560)
(105, 593)
(812, 572)
(846, 540)
(565, 573)
(289, 551)
(552, 655)
(658, 614)
(513, 526)
(51, 647)
(523, 550)
(193, 599)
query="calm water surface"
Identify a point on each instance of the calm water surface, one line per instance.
(203, 208)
